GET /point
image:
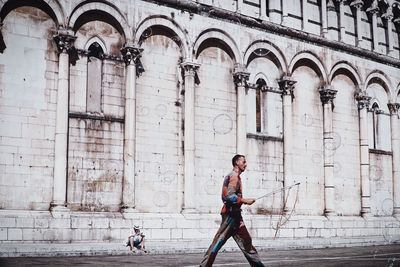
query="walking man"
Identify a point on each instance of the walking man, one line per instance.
(232, 224)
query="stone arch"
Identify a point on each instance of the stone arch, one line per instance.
(307, 58)
(50, 7)
(218, 38)
(266, 49)
(345, 68)
(103, 11)
(260, 75)
(379, 77)
(96, 39)
(153, 25)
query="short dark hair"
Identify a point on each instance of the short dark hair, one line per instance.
(236, 158)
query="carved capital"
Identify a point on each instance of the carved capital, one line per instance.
(286, 84)
(64, 41)
(327, 94)
(389, 14)
(393, 108)
(240, 75)
(190, 68)
(363, 100)
(131, 54)
(357, 4)
(373, 9)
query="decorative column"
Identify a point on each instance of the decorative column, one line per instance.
(284, 12)
(394, 123)
(239, 6)
(64, 41)
(389, 16)
(304, 15)
(358, 4)
(263, 10)
(341, 20)
(286, 85)
(374, 10)
(324, 18)
(131, 57)
(327, 94)
(363, 105)
(241, 77)
(190, 69)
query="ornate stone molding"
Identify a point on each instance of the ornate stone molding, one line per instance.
(357, 3)
(389, 14)
(327, 94)
(373, 9)
(393, 107)
(131, 53)
(286, 84)
(190, 68)
(363, 100)
(240, 76)
(64, 41)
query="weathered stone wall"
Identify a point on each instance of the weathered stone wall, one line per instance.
(126, 140)
(27, 108)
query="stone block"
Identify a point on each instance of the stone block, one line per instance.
(161, 234)
(25, 222)
(14, 234)
(8, 222)
(60, 223)
(3, 234)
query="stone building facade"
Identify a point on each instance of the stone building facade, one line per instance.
(114, 113)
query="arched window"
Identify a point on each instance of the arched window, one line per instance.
(261, 85)
(375, 124)
(94, 78)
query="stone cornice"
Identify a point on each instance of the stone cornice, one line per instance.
(219, 13)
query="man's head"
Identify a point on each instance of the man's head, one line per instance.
(135, 228)
(239, 161)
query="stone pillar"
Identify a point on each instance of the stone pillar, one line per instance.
(341, 20)
(327, 94)
(241, 77)
(324, 18)
(394, 123)
(131, 56)
(64, 41)
(363, 104)
(304, 15)
(358, 4)
(263, 10)
(286, 85)
(374, 10)
(284, 12)
(239, 6)
(389, 16)
(189, 202)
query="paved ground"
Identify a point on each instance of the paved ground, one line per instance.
(385, 256)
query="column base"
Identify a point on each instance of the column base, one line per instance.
(396, 212)
(129, 212)
(189, 211)
(366, 212)
(60, 212)
(329, 213)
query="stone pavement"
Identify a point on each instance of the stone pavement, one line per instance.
(371, 256)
